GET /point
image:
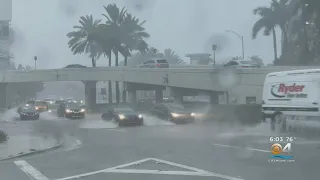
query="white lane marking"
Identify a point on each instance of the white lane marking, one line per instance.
(31, 172)
(101, 171)
(137, 171)
(117, 169)
(237, 147)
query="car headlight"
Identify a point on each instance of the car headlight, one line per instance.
(121, 116)
(68, 111)
(193, 114)
(140, 116)
(175, 115)
(37, 108)
(83, 110)
(49, 110)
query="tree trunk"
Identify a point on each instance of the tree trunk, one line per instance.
(124, 92)
(284, 40)
(275, 44)
(117, 82)
(109, 82)
(125, 60)
(93, 62)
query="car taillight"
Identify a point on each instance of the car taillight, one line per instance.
(158, 65)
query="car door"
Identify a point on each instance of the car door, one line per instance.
(144, 64)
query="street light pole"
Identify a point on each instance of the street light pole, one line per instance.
(241, 38)
(35, 62)
(214, 48)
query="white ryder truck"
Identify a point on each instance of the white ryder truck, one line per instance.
(291, 99)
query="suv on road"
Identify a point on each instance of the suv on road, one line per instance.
(155, 63)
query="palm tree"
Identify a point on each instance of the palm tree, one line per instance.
(133, 36)
(266, 22)
(115, 17)
(81, 40)
(256, 59)
(305, 26)
(172, 57)
(282, 15)
(127, 34)
(237, 58)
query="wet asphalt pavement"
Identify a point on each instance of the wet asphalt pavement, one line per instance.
(99, 150)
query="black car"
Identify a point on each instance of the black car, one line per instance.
(71, 110)
(123, 116)
(172, 112)
(28, 112)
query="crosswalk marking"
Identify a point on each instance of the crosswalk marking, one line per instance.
(31, 172)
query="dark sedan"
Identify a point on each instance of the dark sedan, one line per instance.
(172, 112)
(71, 110)
(123, 116)
(28, 113)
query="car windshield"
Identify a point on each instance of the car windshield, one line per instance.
(59, 102)
(162, 61)
(246, 62)
(175, 107)
(30, 102)
(40, 103)
(73, 105)
(28, 108)
(123, 110)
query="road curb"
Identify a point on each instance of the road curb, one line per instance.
(60, 144)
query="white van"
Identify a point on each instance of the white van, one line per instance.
(292, 97)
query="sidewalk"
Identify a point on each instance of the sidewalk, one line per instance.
(22, 140)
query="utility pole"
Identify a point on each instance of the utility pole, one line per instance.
(35, 58)
(214, 48)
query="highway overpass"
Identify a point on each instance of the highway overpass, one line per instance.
(189, 80)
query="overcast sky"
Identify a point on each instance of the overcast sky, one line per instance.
(186, 26)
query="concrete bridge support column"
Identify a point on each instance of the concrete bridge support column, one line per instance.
(124, 96)
(132, 96)
(177, 95)
(3, 96)
(214, 97)
(159, 95)
(90, 94)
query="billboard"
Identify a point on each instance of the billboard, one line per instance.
(5, 10)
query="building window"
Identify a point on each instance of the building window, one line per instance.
(103, 91)
(251, 100)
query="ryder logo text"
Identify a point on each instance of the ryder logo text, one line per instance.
(289, 91)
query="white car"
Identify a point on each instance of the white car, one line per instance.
(241, 64)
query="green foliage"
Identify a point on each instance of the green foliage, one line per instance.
(256, 59)
(237, 58)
